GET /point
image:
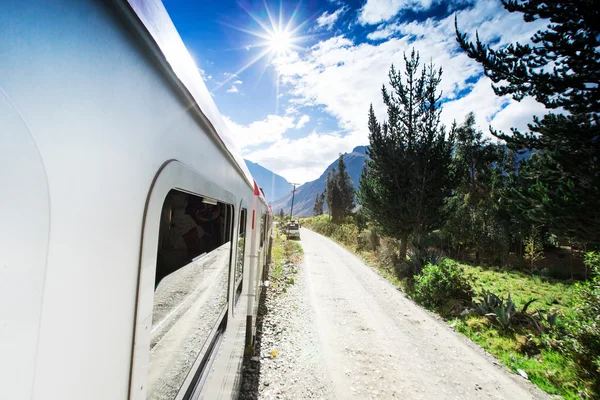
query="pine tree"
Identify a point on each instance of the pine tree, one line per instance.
(345, 189)
(318, 207)
(407, 178)
(560, 70)
(281, 214)
(332, 195)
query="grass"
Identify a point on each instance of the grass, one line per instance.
(284, 252)
(551, 370)
(549, 294)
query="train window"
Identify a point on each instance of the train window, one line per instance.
(191, 284)
(241, 247)
(262, 230)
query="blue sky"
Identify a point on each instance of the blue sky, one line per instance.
(306, 99)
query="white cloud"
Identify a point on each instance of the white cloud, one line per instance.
(302, 121)
(204, 75)
(342, 78)
(376, 11)
(304, 159)
(481, 100)
(268, 130)
(238, 82)
(233, 89)
(518, 115)
(327, 20)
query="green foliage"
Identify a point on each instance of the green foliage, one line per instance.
(476, 221)
(339, 192)
(504, 312)
(584, 325)
(367, 240)
(562, 188)
(345, 231)
(407, 177)
(417, 259)
(319, 204)
(281, 214)
(534, 248)
(437, 284)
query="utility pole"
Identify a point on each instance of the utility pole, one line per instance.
(293, 194)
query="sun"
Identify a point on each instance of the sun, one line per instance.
(276, 40)
(280, 41)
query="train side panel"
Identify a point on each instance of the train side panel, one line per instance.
(104, 117)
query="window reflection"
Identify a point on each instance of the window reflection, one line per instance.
(239, 266)
(190, 296)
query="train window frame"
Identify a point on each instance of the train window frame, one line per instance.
(238, 284)
(172, 175)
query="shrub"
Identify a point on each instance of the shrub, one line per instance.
(367, 240)
(442, 282)
(417, 260)
(584, 325)
(388, 253)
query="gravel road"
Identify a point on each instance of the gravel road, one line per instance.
(343, 331)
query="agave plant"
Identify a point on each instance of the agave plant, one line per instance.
(504, 311)
(418, 259)
(489, 303)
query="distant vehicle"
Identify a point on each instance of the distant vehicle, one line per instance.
(292, 230)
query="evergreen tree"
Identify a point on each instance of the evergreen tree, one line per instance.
(318, 207)
(345, 189)
(332, 195)
(281, 214)
(560, 70)
(474, 220)
(407, 178)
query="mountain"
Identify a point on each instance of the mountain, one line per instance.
(275, 186)
(304, 199)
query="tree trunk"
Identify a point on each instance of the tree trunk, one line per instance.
(571, 261)
(403, 246)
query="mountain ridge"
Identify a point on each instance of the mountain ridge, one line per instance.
(275, 186)
(306, 193)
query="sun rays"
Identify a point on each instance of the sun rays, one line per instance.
(275, 38)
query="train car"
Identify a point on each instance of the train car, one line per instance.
(133, 237)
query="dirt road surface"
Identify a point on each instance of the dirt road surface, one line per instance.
(354, 335)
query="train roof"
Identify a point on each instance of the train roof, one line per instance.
(158, 25)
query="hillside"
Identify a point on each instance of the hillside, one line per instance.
(305, 194)
(275, 186)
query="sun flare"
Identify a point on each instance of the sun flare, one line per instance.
(276, 40)
(280, 41)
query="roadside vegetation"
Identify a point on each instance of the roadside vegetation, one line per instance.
(286, 255)
(500, 238)
(554, 341)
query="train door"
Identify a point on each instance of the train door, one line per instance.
(184, 283)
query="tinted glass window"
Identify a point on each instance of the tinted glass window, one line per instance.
(190, 295)
(241, 247)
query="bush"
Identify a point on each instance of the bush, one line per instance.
(584, 326)
(367, 240)
(417, 260)
(437, 284)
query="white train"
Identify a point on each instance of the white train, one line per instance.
(133, 237)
